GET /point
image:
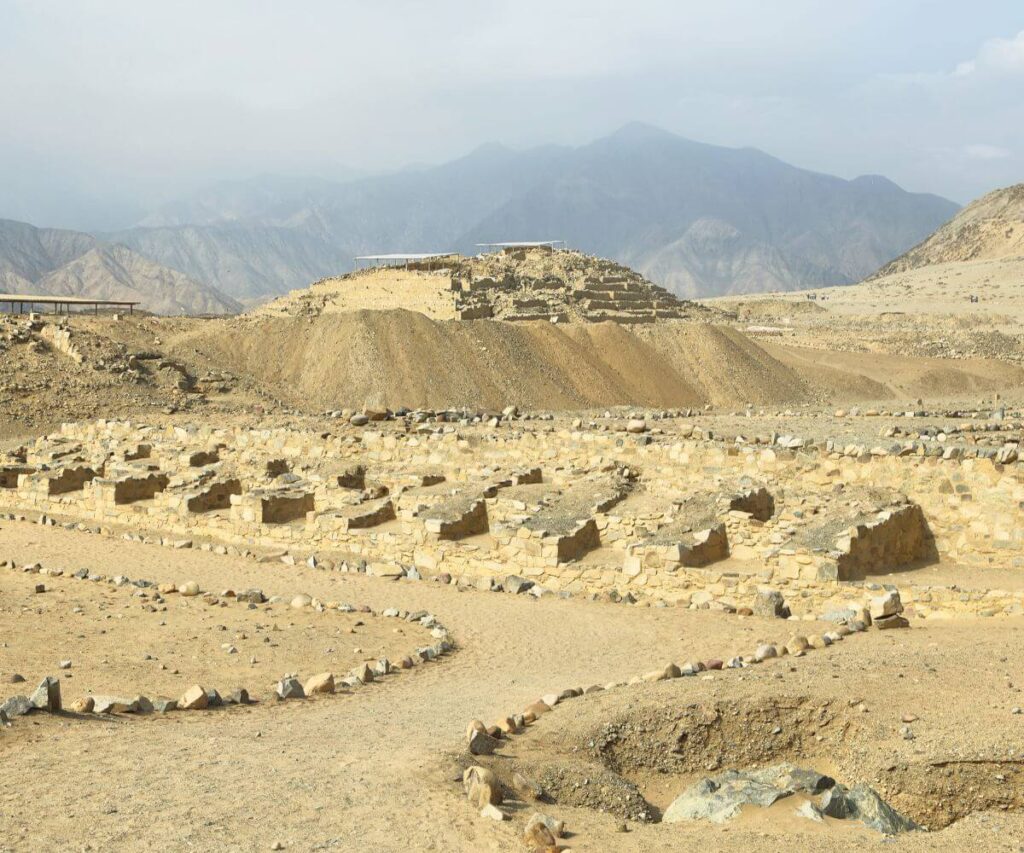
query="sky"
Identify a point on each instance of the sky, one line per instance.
(111, 107)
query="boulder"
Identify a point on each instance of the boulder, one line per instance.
(770, 604)
(322, 683)
(481, 743)
(47, 695)
(720, 798)
(516, 584)
(114, 705)
(862, 803)
(84, 705)
(290, 688)
(526, 788)
(238, 696)
(482, 787)
(191, 588)
(555, 827)
(363, 673)
(193, 699)
(886, 605)
(894, 621)
(537, 836)
(797, 645)
(16, 706)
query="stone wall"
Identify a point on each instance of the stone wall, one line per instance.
(461, 514)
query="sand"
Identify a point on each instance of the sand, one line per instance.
(369, 771)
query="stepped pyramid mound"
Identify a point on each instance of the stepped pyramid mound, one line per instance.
(520, 284)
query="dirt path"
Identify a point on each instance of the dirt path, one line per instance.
(354, 772)
(357, 772)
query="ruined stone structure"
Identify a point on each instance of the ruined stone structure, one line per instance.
(679, 519)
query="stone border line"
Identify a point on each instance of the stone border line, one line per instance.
(486, 793)
(47, 696)
(925, 601)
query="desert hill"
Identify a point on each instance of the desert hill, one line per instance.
(698, 219)
(970, 268)
(54, 262)
(989, 228)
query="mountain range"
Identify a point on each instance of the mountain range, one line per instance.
(699, 219)
(56, 262)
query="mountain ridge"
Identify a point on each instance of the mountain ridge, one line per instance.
(989, 228)
(56, 262)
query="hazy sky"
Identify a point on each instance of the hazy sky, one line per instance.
(114, 105)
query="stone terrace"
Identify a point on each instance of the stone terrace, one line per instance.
(681, 520)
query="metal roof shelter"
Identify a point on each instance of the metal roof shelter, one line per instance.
(400, 258)
(61, 304)
(523, 244)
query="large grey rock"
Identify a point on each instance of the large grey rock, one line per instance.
(862, 803)
(16, 706)
(238, 696)
(251, 596)
(720, 798)
(770, 604)
(481, 743)
(114, 705)
(47, 695)
(290, 688)
(516, 584)
(792, 779)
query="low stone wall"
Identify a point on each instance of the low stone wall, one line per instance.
(961, 510)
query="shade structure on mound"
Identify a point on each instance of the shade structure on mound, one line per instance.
(61, 303)
(522, 244)
(407, 259)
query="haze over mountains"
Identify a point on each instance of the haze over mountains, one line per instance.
(55, 262)
(699, 219)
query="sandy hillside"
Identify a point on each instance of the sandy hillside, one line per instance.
(394, 358)
(400, 358)
(972, 267)
(989, 228)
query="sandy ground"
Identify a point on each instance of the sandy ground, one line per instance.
(123, 641)
(957, 679)
(368, 771)
(939, 289)
(363, 772)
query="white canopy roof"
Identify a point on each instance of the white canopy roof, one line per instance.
(522, 244)
(400, 256)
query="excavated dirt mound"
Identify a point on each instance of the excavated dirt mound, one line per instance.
(402, 358)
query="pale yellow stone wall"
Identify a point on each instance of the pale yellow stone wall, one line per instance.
(972, 506)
